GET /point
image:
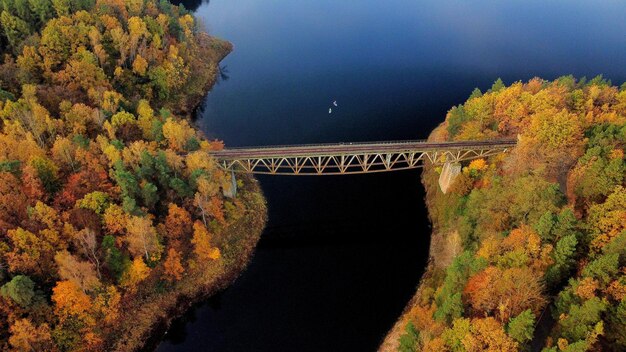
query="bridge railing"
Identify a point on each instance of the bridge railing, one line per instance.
(396, 142)
(312, 145)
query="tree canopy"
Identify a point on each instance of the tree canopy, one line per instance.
(547, 219)
(104, 207)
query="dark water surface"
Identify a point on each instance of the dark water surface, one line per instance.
(341, 256)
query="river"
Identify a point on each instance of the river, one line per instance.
(342, 255)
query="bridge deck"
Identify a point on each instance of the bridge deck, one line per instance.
(337, 149)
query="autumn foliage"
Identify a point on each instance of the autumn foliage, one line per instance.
(108, 198)
(542, 228)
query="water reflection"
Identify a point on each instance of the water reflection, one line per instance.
(190, 4)
(223, 72)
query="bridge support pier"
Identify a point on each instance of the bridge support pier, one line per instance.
(449, 172)
(232, 191)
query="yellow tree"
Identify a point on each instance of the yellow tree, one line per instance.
(607, 220)
(64, 154)
(46, 215)
(140, 65)
(203, 198)
(146, 118)
(115, 219)
(177, 133)
(107, 303)
(202, 243)
(136, 273)
(487, 335)
(137, 33)
(30, 254)
(28, 337)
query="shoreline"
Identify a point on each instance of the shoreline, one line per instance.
(247, 230)
(184, 302)
(436, 258)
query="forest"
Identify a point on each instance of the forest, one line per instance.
(111, 210)
(529, 247)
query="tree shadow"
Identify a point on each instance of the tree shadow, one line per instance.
(191, 5)
(223, 74)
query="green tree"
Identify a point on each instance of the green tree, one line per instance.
(96, 201)
(19, 8)
(181, 187)
(598, 173)
(455, 335)
(476, 93)
(47, 172)
(544, 226)
(497, 86)
(42, 9)
(563, 259)
(409, 340)
(115, 260)
(21, 289)
(147, 169)
(62, 7)
(149, 193)
(566, 224)
(603, 269)
(522, 327)
(457, 275)
(582, 319)
(15, 29)
(450, 309)
(456, 118)
(617, 324)
(127, 182)
(617, 246)
(129, 204)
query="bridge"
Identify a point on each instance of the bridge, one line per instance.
(355, 158)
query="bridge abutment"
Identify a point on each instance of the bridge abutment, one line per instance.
(231, 192)
(449, 172)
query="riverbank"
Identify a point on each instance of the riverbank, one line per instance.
(214, 51)
(146, 327)
(538, 230)
(443, 248)
(153, 314)
(114, 217)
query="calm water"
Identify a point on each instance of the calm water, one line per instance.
(341, 256)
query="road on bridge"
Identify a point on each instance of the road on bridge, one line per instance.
(336, 149)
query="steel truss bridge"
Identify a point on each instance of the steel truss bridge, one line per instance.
(354, 158)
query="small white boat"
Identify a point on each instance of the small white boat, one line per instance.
(330, 110)
(335, 103)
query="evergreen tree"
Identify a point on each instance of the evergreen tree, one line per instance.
(497, 86)
(476, 93)
(603, 269)
(563, 260)
(522, 327)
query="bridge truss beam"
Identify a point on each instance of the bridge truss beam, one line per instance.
(355, 163)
